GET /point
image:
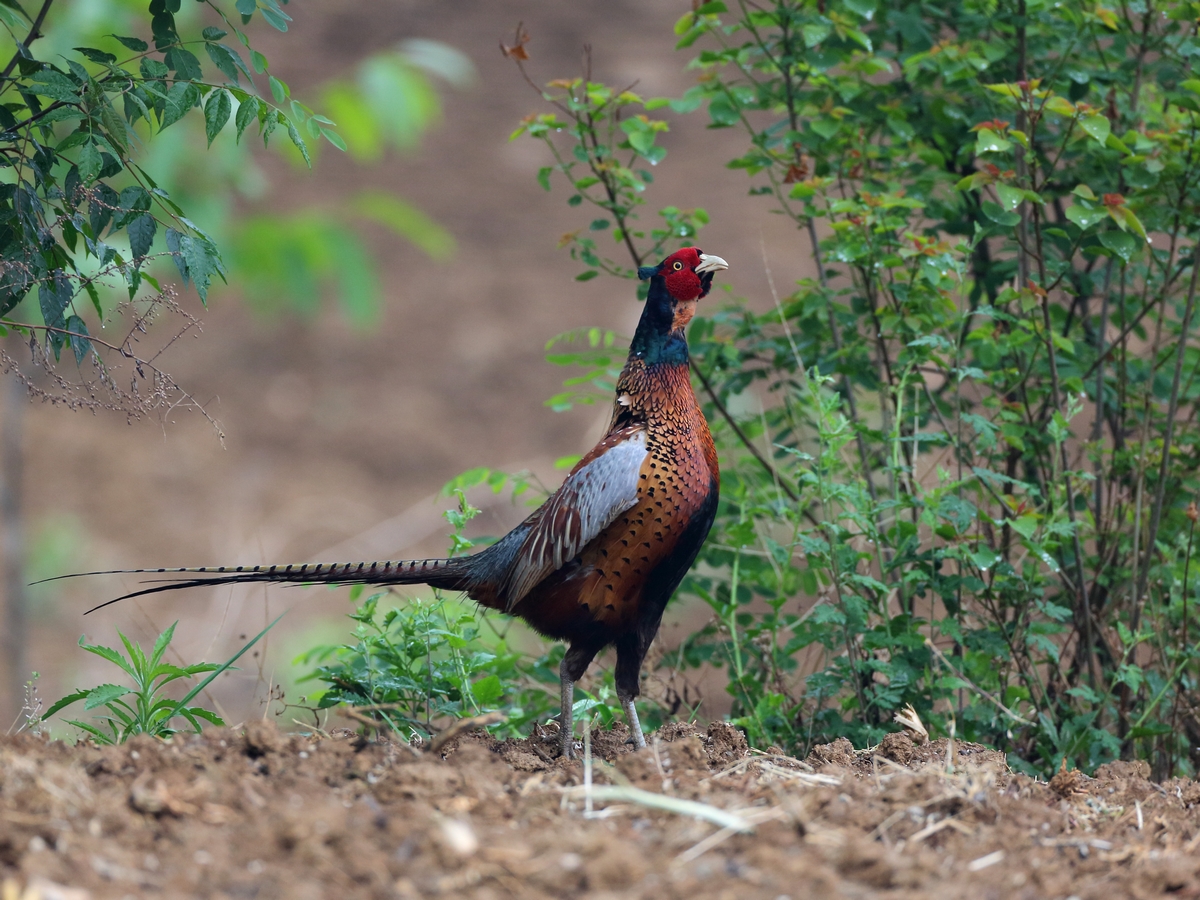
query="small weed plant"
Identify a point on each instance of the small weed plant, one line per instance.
(143, 708)
(416, 666)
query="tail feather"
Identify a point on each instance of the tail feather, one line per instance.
(452, 574)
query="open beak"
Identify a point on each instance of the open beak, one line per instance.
(709, 263)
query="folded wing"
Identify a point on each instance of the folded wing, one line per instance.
(602, 486)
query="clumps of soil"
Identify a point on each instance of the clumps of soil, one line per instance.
(257, 812)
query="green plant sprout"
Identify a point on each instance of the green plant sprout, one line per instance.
(142, 709)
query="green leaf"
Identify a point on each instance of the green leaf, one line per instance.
(279, 90)
(90, 162)
(987, 141)
(1010, 197)
(1120, 243)
(334, 138)
(276, 18)
(1097, 126)
(183, 63)
(104, 694)
(180, 98)
(587, 276)
(225, 665)
(488, 690)
(407, 221)
(1085, 218)
(141, 235)
(298, 141)
(246, 7)
(247, 112)
(137, 45)
(81, 345)
(64, 702)
(96, 56)
(50, 82)
(258, 61)
(998, 214)
(227, 60)
(1024, 525)
(216, 113)
(1061, 105)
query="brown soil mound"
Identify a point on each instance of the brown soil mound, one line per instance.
(259, 813)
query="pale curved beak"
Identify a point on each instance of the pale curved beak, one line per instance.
(709, 263)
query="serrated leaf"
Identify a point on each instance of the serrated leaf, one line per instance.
(183, 63)
(227, 60)
(81, 345)
(50, 82)
(96, 56)
(216, 113)
(90, 162)
(141, 235)
(105, 693)
(180, 98)
(299, 142)
(247, 113)
(137, 45)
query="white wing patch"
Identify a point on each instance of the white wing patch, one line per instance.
(587, 503)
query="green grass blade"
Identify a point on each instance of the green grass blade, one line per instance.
(225, 665)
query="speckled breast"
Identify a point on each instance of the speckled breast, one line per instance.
(676, 478)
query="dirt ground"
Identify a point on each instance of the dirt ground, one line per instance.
(255, 812)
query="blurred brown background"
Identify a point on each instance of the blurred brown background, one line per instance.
(338, 441)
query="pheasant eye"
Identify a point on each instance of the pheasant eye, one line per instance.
(678, 265)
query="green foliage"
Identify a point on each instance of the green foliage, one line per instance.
(417, 666)
(104, 176)
(963, 475)
(142, 709)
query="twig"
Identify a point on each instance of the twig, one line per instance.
(677, 805)
(461, 725)
(995, 701)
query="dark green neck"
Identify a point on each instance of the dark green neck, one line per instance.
(654, 341)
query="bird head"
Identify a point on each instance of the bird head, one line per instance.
(687, 275)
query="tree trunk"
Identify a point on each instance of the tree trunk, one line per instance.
(12, 552)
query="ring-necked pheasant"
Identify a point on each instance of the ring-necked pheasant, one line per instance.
(597, 562)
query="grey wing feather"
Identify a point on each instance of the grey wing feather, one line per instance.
(588, 502)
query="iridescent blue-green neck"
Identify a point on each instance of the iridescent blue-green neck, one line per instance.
(656, 341)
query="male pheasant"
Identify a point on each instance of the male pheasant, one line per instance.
(597, 562)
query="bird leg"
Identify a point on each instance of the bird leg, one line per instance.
(566, 733)
(635, 726)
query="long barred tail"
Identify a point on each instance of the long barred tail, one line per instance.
(451, 574)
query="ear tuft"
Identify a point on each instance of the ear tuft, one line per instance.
(647, 272)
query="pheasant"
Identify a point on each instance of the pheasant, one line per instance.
(597, 562)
